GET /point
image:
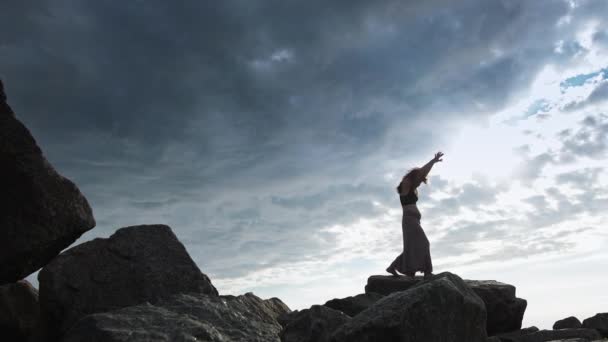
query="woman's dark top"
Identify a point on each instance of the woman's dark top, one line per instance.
(409, 198)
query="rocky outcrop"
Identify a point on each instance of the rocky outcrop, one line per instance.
(598, 322)
(136, 264)
(313, 325)
(41, 212)
(276, 307)
(567, 323)
(388, 284)
(353, 305)
(505, 311)
(517, 333)
(182, 317)
(552, 335)
(442, 308)
(19, 312)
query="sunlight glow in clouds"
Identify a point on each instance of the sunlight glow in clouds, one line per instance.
(476, 153)
(271, 135)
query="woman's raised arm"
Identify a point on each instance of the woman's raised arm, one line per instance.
(424, 171)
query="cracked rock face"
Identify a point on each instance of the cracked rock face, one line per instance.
(136, 264)
(184, 317)
(353, 305)
(442, 308)
(505, 311)
(41, 212)
(315, 324)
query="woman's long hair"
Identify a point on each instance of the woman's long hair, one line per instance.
(411, 175)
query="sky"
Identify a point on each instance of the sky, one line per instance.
(271, 135)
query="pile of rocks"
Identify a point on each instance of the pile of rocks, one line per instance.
(442, 308)
(140, 284)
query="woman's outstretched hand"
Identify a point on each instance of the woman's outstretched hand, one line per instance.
(438, 156)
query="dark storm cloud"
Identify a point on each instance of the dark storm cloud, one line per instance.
(242, 123)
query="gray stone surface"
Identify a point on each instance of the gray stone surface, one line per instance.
(568, 323)
(598, 322)
(513, 334)
(442, 308)
(276, 307)
(505, 311)
(19, 312)
(134, 265)
(313, 325)
(549, 335)
(354, 304)
(41, 212)
(183, 317)
(576, 340)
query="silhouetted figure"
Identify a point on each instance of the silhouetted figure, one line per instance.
(416, 255)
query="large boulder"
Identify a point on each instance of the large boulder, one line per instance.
(276, 307)
(353, 305)
(41, 212)
(136, 264)
(19, 312)
(567, 323)
(553, 335)
(505, 311)
(442, 308)
(313, 325)
(182, 317)
(598, 322)
(388, 284)
(517, 333)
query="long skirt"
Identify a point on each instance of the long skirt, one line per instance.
(416, 255)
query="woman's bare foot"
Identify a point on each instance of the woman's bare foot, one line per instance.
(392, 271)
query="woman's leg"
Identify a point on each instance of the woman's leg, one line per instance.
(392, 269)
(417, 245)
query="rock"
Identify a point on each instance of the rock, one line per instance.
(505, 312)
(276, 307)
(136, 264)
(41, 212)
(514, 334)
(388, 284)
(550, 335)
(598, 322)
(575, 340)
(182, 317)
(442, 308)
(286, 318)
(19, 311)
(313, 325)
(568, 323)
(353, 305)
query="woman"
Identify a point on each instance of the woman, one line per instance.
(416, 255)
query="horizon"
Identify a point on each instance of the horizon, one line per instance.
(271, 136)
